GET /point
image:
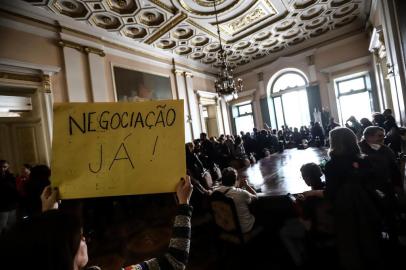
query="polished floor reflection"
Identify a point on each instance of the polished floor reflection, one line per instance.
(279, 174)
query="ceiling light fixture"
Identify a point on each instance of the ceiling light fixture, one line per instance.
(226, 86)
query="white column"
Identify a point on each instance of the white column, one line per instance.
(200, 113)
(181, 93)
(195, 111)
(259, 120)
(225, 116)
(75, 75)
(97, 66)
(332, 97)
(219, 116)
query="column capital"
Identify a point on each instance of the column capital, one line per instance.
(178, 72)
(260, 76)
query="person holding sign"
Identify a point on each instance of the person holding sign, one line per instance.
(54, 240)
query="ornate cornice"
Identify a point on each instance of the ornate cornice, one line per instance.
(81, 48)
(20, 77)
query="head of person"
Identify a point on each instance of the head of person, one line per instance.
(52, 240)
(144, 91)
(387, 112)
(40, 172)
(374, 135)
(190, 147)
(4, 166)
(26, 169)
(311, 173)
(343, 143)
(203, 136)
(365, 122)
(378, 119)
(390, 123)
(352, 119)
(332, 120)
(229, 177)
(238, 140)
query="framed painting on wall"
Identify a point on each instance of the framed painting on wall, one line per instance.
(133, 85)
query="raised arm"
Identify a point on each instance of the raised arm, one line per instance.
(178, 252)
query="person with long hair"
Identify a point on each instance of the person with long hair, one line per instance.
(349, 188)
(54, 239)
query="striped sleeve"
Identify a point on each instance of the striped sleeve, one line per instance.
(178, 252)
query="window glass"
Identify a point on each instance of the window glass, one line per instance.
(296, 109)
(244, 109)
(288, 80)
(351, 85)
(244, 123)
(279, 112)
(358, 105)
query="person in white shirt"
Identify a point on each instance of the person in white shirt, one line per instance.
(242, 194)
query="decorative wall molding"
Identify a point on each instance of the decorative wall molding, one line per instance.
(81, 48)
(12, 65)
(349, 64)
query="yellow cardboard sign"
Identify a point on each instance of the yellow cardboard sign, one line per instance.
(110, 149)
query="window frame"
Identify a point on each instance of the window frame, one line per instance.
(280, 93)
(352, 92)
(243, 114)
(289, 89)
(337, 82)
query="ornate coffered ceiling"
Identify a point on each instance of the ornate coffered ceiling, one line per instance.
(250, 29)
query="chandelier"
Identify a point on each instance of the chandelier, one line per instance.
(225, 84)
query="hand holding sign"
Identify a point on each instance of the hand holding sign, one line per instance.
(110, 149)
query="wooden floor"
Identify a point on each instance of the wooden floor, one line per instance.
(133, 228)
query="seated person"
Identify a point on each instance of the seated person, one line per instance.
(383, 159)
(311, 174)
(242, 195)
(54, 239)
(313, 215)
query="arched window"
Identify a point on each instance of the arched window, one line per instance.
(289, 97)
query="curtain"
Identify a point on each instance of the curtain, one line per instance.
(265, 111)
(313, 97)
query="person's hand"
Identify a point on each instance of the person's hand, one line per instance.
(49, 198)
(314, 193)
(184, 190)
(243, 182)
(300, 197)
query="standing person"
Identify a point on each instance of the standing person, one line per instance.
(349, 185)
(22, 179)
(39, 179)
(393, 138)
(54, 240)
(8, 197)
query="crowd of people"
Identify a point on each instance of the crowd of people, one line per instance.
(358, 201)
(350, 211)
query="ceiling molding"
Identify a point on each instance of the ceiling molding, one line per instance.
(185, 29)
(333, 39)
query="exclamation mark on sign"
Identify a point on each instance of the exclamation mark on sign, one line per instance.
(153, 151)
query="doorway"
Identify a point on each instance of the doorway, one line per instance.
(23, 136)
(210, 120)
